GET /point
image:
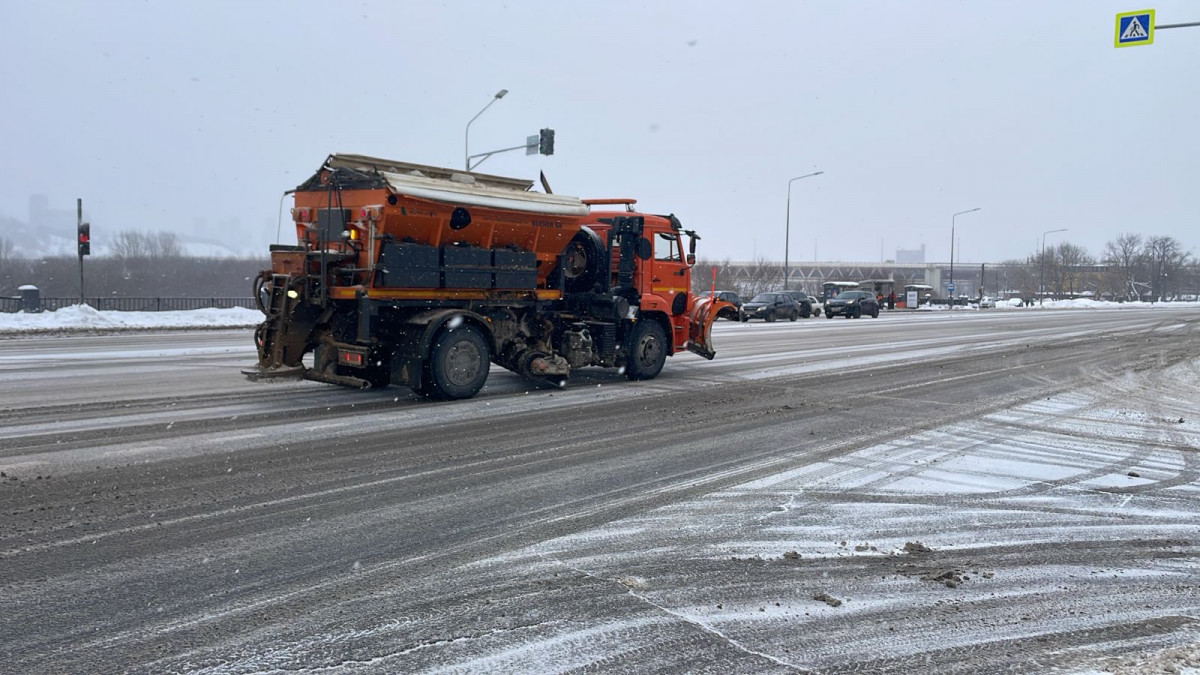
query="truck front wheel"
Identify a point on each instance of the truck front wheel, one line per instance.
(647, 351)
(458, 364)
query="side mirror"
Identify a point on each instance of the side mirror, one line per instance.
(691, 257)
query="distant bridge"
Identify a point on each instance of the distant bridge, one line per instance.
(810, 276)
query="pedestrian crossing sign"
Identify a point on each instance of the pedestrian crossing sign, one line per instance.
(1134, 28)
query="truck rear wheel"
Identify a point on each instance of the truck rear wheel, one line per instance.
(458, 364)
(647, 351)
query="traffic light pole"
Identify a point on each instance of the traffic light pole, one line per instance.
(542, 144)
(79, 249)
(485, 155)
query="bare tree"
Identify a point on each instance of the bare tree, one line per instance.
(1046, 265)
(1167, 261)
(7, 266)
(761, 275)
(1190, 284)
(1019, 278)
(134, 244)
(165, 245)
(131, 244)
(702, 278)
(1075, 262)
(1124, 257)
(746, 280)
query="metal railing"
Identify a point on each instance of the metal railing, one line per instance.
(10, 304)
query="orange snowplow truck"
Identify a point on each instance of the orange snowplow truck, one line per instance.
(422, 277)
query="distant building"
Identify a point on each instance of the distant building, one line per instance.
(42, 218)
(916, 255)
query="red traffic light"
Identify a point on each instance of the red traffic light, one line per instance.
(85, 239)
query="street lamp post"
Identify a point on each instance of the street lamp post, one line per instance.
(950, 288)
(1042, 276)
(787, 230)
(467, 134)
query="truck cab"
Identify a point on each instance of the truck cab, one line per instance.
(662, 272)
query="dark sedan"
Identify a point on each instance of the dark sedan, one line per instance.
(852, 305)
(804, 300)
(771, 306)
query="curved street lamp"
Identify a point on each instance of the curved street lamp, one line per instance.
(467, 134)
(950, 289)
(787, 231)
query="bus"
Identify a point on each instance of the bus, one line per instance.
(878, 287)
(832, 288)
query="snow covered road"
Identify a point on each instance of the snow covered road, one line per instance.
(951, 491)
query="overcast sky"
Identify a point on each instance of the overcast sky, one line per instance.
(161, 113)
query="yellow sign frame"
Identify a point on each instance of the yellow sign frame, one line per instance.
(1149, 29)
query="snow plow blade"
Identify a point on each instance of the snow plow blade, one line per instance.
(280, 373)
(702, 315)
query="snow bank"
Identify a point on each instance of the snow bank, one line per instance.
(1088, 303)
(79, 317)
(1078, 303)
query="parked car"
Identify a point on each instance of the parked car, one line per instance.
(816, 305)
(986, 302)
(852, 305)
(803, 299)
(771, 306)
(726, 313)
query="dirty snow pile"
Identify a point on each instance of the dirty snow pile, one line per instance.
(1089, 303)
(85, 317)
(1076, 303)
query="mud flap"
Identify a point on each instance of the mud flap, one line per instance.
(701, 317)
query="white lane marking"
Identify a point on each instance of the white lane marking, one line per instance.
(138, 354)
(240, 437)
(333, 425)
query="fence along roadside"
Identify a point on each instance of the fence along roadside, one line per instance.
(124, 304)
